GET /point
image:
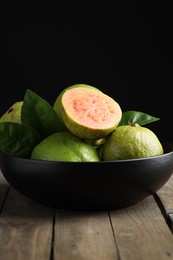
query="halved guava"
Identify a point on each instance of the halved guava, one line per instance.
(87, 112)
(58, 106)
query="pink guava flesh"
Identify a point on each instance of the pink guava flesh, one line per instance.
(91, 108)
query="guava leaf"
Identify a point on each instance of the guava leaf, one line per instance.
(136, 117)
(17, 139)
(39, 114)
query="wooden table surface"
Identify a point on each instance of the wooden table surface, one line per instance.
(31, 231)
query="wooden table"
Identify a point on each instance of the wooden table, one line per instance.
(31, 231)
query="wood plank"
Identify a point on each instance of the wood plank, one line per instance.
(170, 221)
(166, 196)
(25, 229)
(82, 235)
(4, 186)
(142, 233)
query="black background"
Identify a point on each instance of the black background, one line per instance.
(124, 48)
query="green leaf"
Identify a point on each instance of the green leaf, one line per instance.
(17, 139)
(39, 114)
(136, 117)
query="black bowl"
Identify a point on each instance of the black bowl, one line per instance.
(88, 185)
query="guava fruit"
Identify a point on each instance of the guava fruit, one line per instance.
(13, 114)
(87, 112)
(131, 142)
(58, 106)
(64, 146)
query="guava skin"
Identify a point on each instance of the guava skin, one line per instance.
(64, 146)
(81, 130)
(131, 142)
(13, 114)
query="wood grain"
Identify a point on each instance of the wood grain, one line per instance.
(142, 233)
(166, 196)
(82, 235)
(25, 229)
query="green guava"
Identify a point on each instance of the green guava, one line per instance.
(64, 146)
(13, 114)
(131, 142)
(87, 112)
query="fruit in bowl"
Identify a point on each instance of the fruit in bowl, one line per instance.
(88, 116)
(87, 112)
(70, 149)
(75, 155)
(130, 142)
(13, 114)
